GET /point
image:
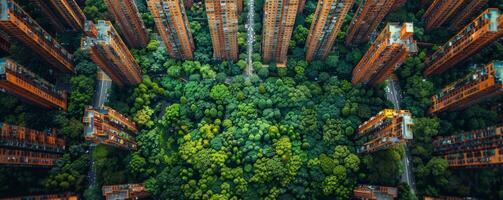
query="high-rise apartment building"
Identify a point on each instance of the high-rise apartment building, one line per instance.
(482, 31)
(223, 24)
(467, 11)
(65, 14)
(109, 52)
(279, 19)
(25, 147)
(18, 24)
(107, 126)
(369, 15)
(390, 49)
(371, 192)
(439, 12)
(455, 12)
(387, 129)
(45, 197)
(327, 21)
(126, 191)
(173, 27)
(127, 17)
(478, 86)
(19, 81)
(478, 148)
(448, 198)
(4, 42)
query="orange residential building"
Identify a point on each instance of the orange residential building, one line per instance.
(390, 49)
(223, 24)
(439, 12)
(20, 146)
(367, 18)
(107, 126)
(19, 81)
(45, 197)
(327, 21)
(127, 17)
(4, 42)
(483, 84)
(173, 27)
(387, 129)
(466, 13)
(371, 192)
(109, 53)
(126, 191)
(279, 19)
(63, 14)
(18, 24)
(482, 31)
(478, 148)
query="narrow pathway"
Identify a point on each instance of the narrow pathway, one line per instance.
(103, 85)
(250, 37)
(393, 95)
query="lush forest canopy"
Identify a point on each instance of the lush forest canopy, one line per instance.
(209, 132)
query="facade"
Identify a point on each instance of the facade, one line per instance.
(439, 12)
(20, 146)
(173, 27)
(327, 21)
(367, 18)
(388, 128)
(279, 19)
(223, 24)
(106, 126)
(65, 14)
(478, 86)
(390, 49)
(4, 42)
(18, 24)
(45, 197)
(371, 192)
(482, 31)
(478, 148)
(109, 53)
(19, 81)
(127, 17)
(126, 191)
(467, 12)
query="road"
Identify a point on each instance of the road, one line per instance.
(393, 94)
(103, 85)
(250, 37)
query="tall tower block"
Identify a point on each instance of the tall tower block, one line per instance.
(223, 24)
(173, 27)
(66, 11)
(18, 24)
(482, 31)
(478, 86)
(327, 21)
(478, 148)
(389, 51)
(386, 129)
(106, 126)
(107, 50)
(127, 17)
(19, 81)
(279, 18)
(24, 147)
(369, 15)
(439, 12)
